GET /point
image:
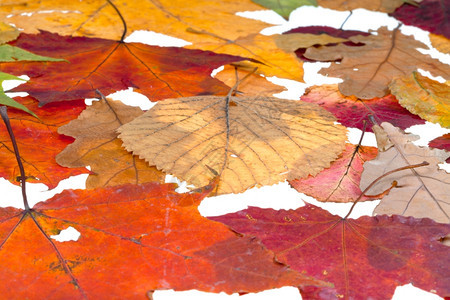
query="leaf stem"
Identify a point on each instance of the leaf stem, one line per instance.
(4, 114)
(381, 177)
(121, 18)
(346, 19)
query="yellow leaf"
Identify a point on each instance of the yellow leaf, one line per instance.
(8, 33)
(440, 42)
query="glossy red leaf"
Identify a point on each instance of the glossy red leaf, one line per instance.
(430, 15)
(366, 258)
(107, 65)
(133, 239)
(351, 111)
(339, 182)
(39, 142)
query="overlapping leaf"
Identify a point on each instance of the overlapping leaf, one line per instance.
(367, 70)
(366, 258)
(425, 97)
(351, 111)
(248, 141)
(420, 192)
(39, 142)
(133, 239)
(96, 145)
(377, 5)
(442, 142)
(109, 66)
(440, 42)
(8, 101)
(341, 179)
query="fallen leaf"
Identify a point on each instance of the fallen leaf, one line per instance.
(8, 33)
(430, 15)
(421, 192)
(133, 240)
(440, 42)
(109, 66)
(10, 53)
(96, 145)
(250, 141)
(39, 142)
(8, 101)
(386, 6)
(294, 41)
(390, 53)
(352, 112)
(425, 97)
(207, 25)
(341, 179)
(366, 258)
(442, 142)
(254, 85)
(285, 7)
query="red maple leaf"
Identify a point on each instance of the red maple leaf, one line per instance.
(107, 65)
(366, 258)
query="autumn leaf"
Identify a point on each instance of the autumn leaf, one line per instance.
(420, 192)
(386, 6)
(293, 41)
(39, 142)
(133, 240)
(8, 33)
(366, 258)
(440, 42)
(425, 97)
(8, 101)
(442, 142)
(430, 15)
(96, 145)
(341, 179)
(285, 7)
(367, 70)
(250, 141)
(207, 25)
(352, 112)
(109, 66)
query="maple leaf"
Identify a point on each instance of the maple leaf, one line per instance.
(109, 66)
(351, 111)
(421, 192)
(96, 145)
(247, 141)
(425, 97)
(367, 70)
(8, 101)
(285, 7)
(366, 258)
(133, 239)
(40, 142)
(207, 25)
(341, 178)
(430, 15)
(378, 5)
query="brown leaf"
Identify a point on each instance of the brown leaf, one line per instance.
(293, 41)
(96, 145)
(247, 141)
(367, 70)
(376, 5)
(421, 192)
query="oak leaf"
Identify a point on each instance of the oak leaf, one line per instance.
(96, 145)
(425, 97)
(250, 141)
(341, 179)
(386, 6)
(430, 15)
(389, 54)
(109, 66)
(352, 112)
(420, 192)
(133, 239)
(366, 258)
(207, 25)
(40, 142)
(440, 42)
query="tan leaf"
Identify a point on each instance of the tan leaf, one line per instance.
(440, 42)
(421, 192)
(8, 33)
(254, 85)
(247, 141)
(423, 96)
(386, 6)
(96, 145)
(367, 70)
(293, 41)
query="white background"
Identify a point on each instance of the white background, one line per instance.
(279, 196)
